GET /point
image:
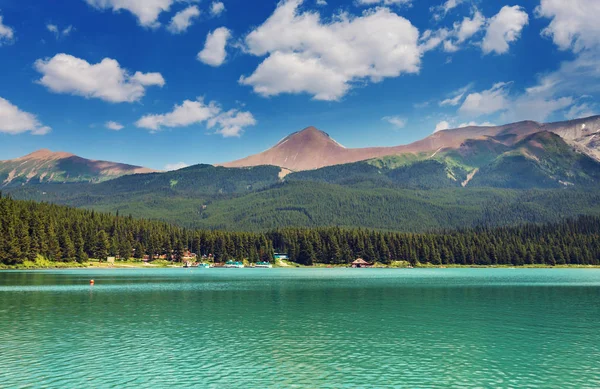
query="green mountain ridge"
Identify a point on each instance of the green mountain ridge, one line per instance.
(482, 182)
(45, 166)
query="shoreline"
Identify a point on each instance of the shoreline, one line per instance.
(47, 265)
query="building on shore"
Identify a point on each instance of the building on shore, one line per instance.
(361, 263)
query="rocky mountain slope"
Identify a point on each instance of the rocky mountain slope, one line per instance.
(312, 149)
(45, 166)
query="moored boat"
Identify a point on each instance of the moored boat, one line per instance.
(234, 264)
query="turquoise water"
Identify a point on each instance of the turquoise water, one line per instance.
(300, 328)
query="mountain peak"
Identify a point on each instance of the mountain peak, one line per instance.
(46, 154)
(308, 137)
(307, 149)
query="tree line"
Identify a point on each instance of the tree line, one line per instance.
(58, 233)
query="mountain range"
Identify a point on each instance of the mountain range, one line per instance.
(521, 172)
(312, 149)
(45, 166)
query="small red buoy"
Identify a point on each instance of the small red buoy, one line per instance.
(91, 282)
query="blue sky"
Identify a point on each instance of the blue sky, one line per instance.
(165, 82)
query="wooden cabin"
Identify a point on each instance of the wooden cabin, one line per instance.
(361, 263)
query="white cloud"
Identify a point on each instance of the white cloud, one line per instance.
(53, 28)
(475, 124)
(58, 33)
(452, 39)
(396, 121)
(512, 108)
(441, 126)
(445, 125)
(217, 8)
(321, 3)
(7, 34)
(454, 101)
(486, 102)
(469, 26)
(175, 166)
(214, 53)
(430, 39)
(581, 110)
(105, 80)
(291, 73)
(231, 123)
(183, 19)
(146, 11)
(574, 27)
(458, 95)
(227, 123)
(384, 2)
(503, 28)
(15, 121)
(574, 23)
(528, 107)
(442, 10)
(325, 59)
(114, 126)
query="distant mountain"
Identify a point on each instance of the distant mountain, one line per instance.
(303, 150)
(521, 172)
(45, 166)
(480, 181)
(540, 160)
(312, 149)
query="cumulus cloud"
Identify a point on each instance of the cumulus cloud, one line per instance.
(469, 26)
(396, 121)
(217, 8)
(175, 166)
(7, 34)
(504, 28)
(183, 19)
(452, 39)
(115, 126)
(574, 23)
(58, 32)
(325, 59)
(146, 11)
(574, 27)
(214, 53)
(500, 30)
(442, 10)
(231, 123)
(15, 121)
(105, 80)
(486, 102)
(529, 105)
(227, 123)
(441, 126)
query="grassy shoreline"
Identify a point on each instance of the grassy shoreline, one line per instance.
(42, 264)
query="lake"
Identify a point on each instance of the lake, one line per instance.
(300, 328)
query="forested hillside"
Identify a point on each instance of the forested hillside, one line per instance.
(483, 182)
(58, 233)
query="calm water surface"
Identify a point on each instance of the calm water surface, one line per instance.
(300, 328)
